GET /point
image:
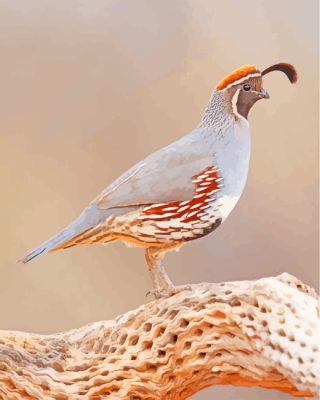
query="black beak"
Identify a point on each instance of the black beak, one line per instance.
(264, 94)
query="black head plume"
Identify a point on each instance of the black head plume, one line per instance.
(286, 68)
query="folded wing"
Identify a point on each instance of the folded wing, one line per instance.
(163, 177)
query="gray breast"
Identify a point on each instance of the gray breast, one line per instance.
(232, 158)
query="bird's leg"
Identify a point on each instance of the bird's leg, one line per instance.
(155, 282)
(164, 277)
(161, 283)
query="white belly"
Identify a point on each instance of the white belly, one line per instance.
(226, 204)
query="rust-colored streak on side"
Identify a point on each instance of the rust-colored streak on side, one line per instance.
(206, 184)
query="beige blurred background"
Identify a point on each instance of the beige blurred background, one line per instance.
(90, 87)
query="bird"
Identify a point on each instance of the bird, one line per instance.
(183, 191)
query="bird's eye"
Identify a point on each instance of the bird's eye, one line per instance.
(246, 87)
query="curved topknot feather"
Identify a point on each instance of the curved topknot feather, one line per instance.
(286, 68)
(237, 74)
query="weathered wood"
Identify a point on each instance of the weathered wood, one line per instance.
(251, 333)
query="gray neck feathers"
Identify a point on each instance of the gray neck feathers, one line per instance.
(218, 113)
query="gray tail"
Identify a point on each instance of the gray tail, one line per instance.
(75, 233)
(52, 244)
(46, 247)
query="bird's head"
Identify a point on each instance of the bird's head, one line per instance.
(244, 85)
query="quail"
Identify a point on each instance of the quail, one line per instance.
(181, 192)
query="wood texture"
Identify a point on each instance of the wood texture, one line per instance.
(250, 333)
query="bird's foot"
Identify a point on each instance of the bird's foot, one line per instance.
(169, 291)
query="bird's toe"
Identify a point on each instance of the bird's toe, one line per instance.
(168, 291)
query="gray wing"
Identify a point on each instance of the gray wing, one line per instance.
(164, 176)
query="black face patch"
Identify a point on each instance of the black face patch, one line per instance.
(247, 98)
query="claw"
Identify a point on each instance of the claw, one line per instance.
(168, 292)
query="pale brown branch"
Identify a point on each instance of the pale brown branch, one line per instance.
(251, 333)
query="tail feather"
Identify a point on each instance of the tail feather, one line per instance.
(33, 254)
(94, 235)
(50, 245)
(77, 232)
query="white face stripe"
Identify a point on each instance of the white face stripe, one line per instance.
(254, 75)
(234, 103)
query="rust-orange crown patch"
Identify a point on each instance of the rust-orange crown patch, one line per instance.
(237, 74)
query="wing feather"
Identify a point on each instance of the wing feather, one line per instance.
(162, 177)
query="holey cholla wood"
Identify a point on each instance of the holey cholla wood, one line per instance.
(251, 333)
